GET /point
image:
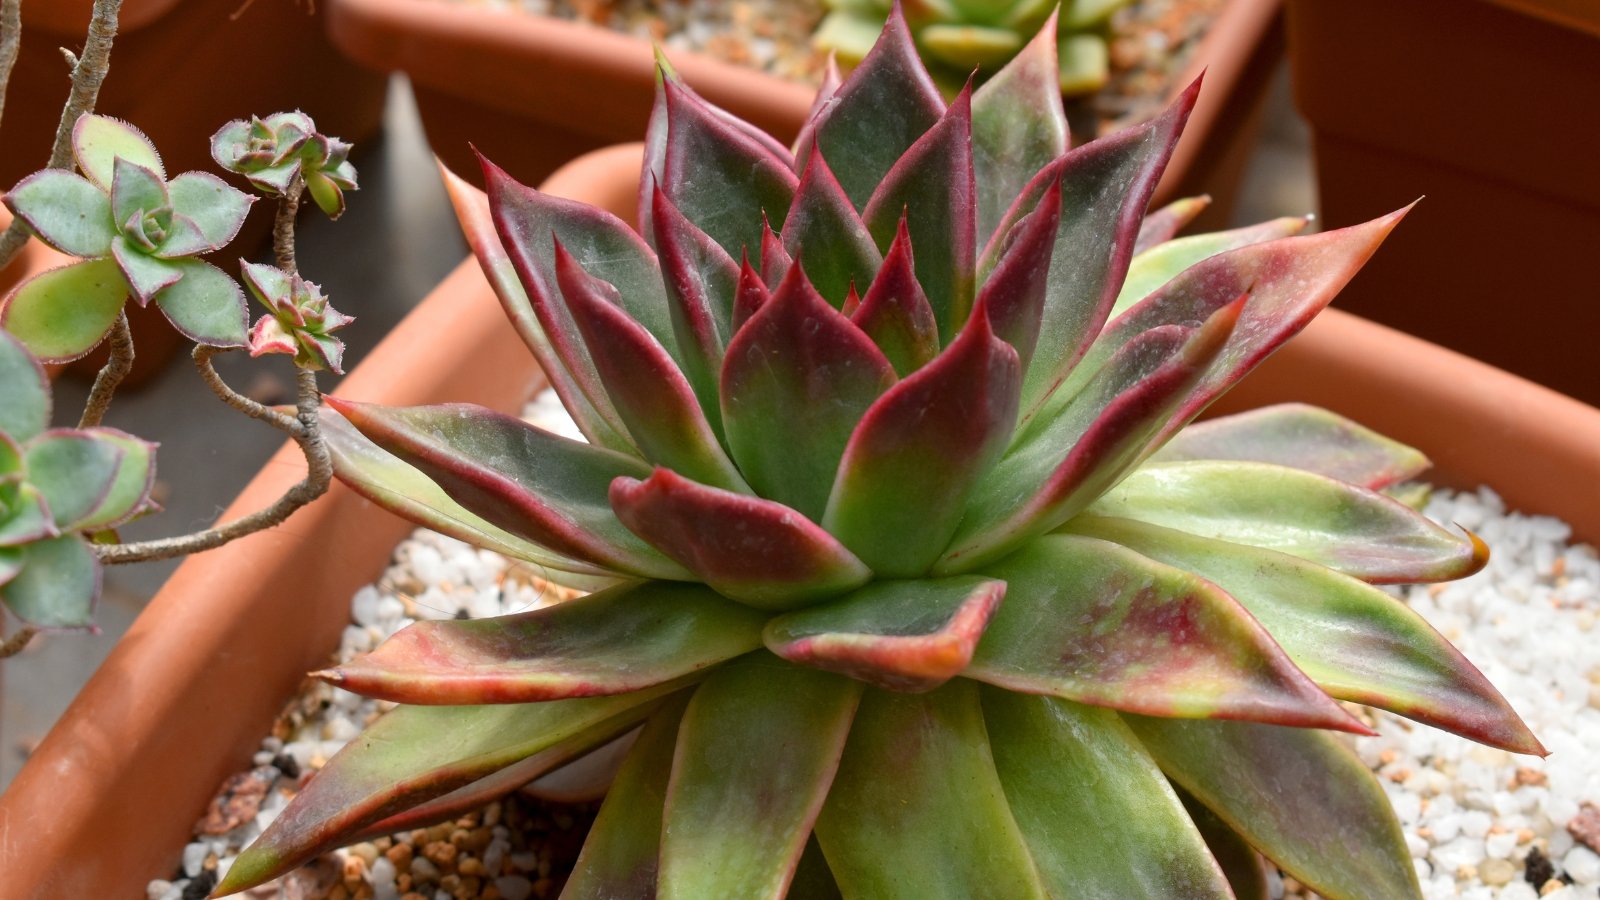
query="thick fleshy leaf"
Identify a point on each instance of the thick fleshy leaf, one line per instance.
(325, 192)
(757, 751)
(878, 113)
(206, 305)
(1345, 528)
(912, 463)
(1240, 862)
(1302, 437)
(1065, 766)
(534, 484)
(1097, 623)
(797, 378)
(931, 187)
(65, 210)
(129, 492)
(383, 478)
(756, 551)
(621, 856)
(24, 391)
(1356, 642)
(654, 400)
(1297, 794)
(895, 312)
(218, 209)
(750, 294)
(629, 637)
(718, 175)
(1015, 292)
(701, 280)
(145, 274)
(136, 190)
(26, 518)
(477, 223)
(1165, 223)
(911, 635)
(1158, 265)
(1018, 127)
(61, 314)
(775, 261)
(414, 754)
(825, 229)
(917, 810)
(1089, 446)
(57, 585)
(10, 565)
(184, 238)
(99, 141)
(75, 471)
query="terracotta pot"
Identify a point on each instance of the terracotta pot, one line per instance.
(180, 69)
(1487, 110)
(532, 92)
(108, 799)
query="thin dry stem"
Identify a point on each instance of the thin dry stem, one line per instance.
(17, 642)
(10, 41)
(283, 226)
(110, 375)
(202, 361)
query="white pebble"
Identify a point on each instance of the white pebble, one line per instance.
(1582, 864)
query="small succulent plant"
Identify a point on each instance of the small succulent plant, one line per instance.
(137, 234)
(921, 583)
(957, 37)
(58, 486)
(274, 151)
(300, 321)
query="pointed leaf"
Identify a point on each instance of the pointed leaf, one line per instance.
(797, 378)
(775, 260)
(653, 399)
(1333, 524)
(1015, 292)
(824, 225)
(917, 810)
(757, 750)
(99, 141)
(129, 491)
(750, 294)
(24, 391)
(806, 141)
(623, 639)
(57, 585)
(1065, 765)
(1018, 127)
(66, 211)
(146, 274)
(878, 113)
(184, 238)
(1301, 437)
(895, 312)
(1356, 642)
(931, 187)
(756, 551)
(899, 635)
(135, 190)
(61, 314)
(913, 461)
(534, 484)
(1094, 622)
(206, 305)
(1165, 223)
(218, 209)
(75, 471)
(702, 280)
(1158, 265)
(414, 754)
(1299, 796)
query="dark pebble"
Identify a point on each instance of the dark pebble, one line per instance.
(200, 887)
(286, 764)
(1540, 868)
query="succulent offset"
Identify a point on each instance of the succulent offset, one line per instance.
(909, 563)
(137, 234)
(957, 37)
(272, 152)
(300, 322)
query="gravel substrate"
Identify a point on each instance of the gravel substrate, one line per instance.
(1482, 824)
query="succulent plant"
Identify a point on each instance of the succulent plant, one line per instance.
(57, 487)
(137, 233)
(957, 37)
(919, 585)
(300, 322)
(274, 151)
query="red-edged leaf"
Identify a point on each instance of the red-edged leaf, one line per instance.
(806, 140)
(901, 635)
(931, 186)
(1015, 292)
(824, 227)
(756, 551)
(534, 484)
(750, 294)
(1097, 623)
(1157, 266)
(775, 260)
(622, 639)
(652, 397)
(701, 279)
(796, 379)
(895, 312)
(911, 464)
(1018, 126)
(1165, 223)
(1301, 437)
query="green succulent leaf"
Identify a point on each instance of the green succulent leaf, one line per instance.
(99, 141)
(75, 471)
(25, 517)
(1015, 292)
(1085, 65)
(701, 280)
(758, 727)
(325, 192)
(10, 565)
(1333, 524)
(205, 305)
(61, 314)
(1064, 766)
(839, 252)
(895, 312)
(1297, 795)
(24, 392)
(216, 209)
(129, 490)
(1018, 127)
(136, 190)
(1158, 265)
(1162, 225)
(66, 211)
(911, 635)
(145, 275)
(56, 587)
(917, 810)
(623, 639)
(1239, 861)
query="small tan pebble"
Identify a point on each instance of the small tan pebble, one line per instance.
(491, 815)
(1290, 884)
(438, 833)
(1497, 872)
(478, 839)
(1424, 832)
(355, 869)
(338, 893)
(1559, 567)
(1585, 826)
(400, 855)
(451, 884)
(470, 865)
(1398, 775)
(470, 886)
(367, 851)
(459, 837)
(423, 871)
(1524, 835)
(1551, 886)
(441, 854)
(402, 882)
(1388, 756)
(1527, 775)
(237, 802)
(1467, 872)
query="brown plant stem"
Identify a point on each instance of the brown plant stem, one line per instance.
(283, 226)
(17, 642)
(202, 361)
(10, 41)
(110, 375)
